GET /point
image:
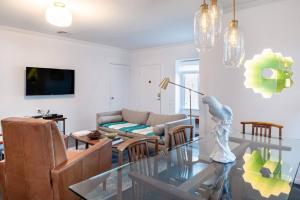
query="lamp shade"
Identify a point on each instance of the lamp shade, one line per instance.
(203, 33)
(164, 83)
(234, 51)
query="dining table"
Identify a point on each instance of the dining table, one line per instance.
(265, 168)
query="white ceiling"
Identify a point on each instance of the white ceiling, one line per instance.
(129, 24)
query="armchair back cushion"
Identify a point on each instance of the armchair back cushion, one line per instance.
(135, 117)
(157, 119)
(30, 154)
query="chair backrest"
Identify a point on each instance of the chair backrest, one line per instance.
(137, 148)
(262, 128)
(179, 135)
(32, 148)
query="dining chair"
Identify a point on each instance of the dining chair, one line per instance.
(137, 148)
(179, 135)
(262, 128)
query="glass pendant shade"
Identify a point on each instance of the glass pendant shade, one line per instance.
(216, 13)
(203, 34)
(58, 15)
(234, 51)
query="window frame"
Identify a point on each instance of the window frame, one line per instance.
(183, 91)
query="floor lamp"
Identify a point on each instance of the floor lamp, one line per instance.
(166, 81)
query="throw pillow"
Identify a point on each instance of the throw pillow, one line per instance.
(135, 117)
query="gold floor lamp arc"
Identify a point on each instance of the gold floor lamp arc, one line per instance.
(166, 81)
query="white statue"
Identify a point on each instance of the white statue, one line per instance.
(222, 115)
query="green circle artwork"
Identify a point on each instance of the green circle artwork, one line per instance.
(268, 73)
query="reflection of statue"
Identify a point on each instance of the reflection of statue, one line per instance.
(222, 115)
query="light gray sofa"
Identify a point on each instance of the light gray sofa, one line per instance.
(162, 124)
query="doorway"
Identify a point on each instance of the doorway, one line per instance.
(119, 86)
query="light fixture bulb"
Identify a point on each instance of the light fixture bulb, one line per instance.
(216, 13)
(233, 37)
(203, 35)
(234, 51)
(205, 18)
(58, 14)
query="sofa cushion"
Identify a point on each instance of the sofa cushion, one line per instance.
(127, 127)
(156, 119)
(108, 119)
(136, 117)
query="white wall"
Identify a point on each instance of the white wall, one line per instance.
(273, 26)
(20, 48)
(166, 58)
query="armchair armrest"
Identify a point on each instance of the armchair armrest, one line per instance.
(86, 164)
(2, 178)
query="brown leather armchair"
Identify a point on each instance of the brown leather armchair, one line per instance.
(38, 166)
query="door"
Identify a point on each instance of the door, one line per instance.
(148, 91)
(119, 86)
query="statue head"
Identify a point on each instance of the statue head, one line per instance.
(216, 109)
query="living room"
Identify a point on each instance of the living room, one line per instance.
(120, 52)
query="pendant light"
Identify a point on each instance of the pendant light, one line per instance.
(203, 34)
(234, 51)
(58, 14)
(216, 13)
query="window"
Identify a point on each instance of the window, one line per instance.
(187, 74)
(191, 80)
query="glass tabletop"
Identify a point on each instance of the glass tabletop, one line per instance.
(265, 168)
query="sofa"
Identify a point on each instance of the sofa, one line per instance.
(131, 123)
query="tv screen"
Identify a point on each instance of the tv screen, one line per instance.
(44, 81)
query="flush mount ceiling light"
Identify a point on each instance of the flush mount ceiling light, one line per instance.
(58, 14)
(234, 51)
(278, 78)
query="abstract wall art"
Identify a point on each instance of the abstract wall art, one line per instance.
(268, 73)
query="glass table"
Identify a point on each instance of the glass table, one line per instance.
(265, 168)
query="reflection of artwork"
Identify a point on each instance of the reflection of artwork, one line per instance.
(268, 73)
(267, 186)
(222, 115)
(33, 74)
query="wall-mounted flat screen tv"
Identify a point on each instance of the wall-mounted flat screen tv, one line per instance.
(45, 81)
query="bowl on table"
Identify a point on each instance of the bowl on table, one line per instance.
(95, 135)
(111, 135)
